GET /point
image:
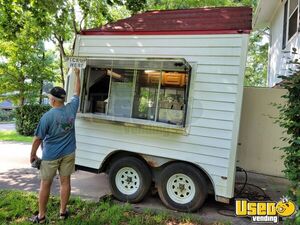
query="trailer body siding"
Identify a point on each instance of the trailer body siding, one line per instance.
(213, 115)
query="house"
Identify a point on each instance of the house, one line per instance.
(282, 17)
(161, 103)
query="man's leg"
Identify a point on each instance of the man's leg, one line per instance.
(67, 167)
(47, 172)
(65, 189)
(44, 193)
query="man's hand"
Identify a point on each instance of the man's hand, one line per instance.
(35, 145)
(32, 158)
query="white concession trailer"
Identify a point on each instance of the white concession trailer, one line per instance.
(161, 102)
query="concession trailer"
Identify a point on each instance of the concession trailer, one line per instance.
(161, 102)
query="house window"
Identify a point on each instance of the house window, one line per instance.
(141, 89)
(290, 21)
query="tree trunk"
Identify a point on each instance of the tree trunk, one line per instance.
(22, 100)
(62, 55)
(22, 90)
(41, 85)
(61, 66)
(41, 92)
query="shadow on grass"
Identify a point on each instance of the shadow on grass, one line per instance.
(25, 179)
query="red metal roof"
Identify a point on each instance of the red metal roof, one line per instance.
(226, 20)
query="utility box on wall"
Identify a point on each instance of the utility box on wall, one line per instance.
(258, 132)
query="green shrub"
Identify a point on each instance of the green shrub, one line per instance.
(6, 115)
(28, 117)
(289, 120)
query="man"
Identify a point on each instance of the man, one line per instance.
(56, 133)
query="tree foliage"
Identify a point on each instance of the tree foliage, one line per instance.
(179, 4)
(289, 120)
(257, 60)
(24, 63)
(24, 25)
(23, 69)
(73, 16)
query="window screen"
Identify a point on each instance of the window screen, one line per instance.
(144, 89)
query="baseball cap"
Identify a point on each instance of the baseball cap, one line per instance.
(58, 92)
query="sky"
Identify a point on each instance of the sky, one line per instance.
(49, 45)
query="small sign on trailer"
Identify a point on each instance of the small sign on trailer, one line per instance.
(76, 62)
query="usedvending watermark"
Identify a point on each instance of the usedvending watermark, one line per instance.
(76, 62)
(264, 211)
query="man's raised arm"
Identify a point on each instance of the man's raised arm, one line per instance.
(77, 82)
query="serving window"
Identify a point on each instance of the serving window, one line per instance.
(140, 89)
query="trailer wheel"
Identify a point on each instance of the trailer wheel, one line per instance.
(182, 187)
(129, 179)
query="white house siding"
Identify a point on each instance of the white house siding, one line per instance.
(278, 58)
(215, 103)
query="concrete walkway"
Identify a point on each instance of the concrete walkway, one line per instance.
(7, 126)
(16, 173)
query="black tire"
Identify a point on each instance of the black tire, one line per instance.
(129, 179)
(182, 187)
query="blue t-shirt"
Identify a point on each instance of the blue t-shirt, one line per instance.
(56, 129)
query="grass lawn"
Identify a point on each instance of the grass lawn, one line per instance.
(17, 206)
(13, 136)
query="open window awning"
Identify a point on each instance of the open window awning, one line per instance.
(140, 63)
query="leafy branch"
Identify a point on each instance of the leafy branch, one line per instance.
(289, 120)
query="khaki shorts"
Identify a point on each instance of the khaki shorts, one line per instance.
(65, 166)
